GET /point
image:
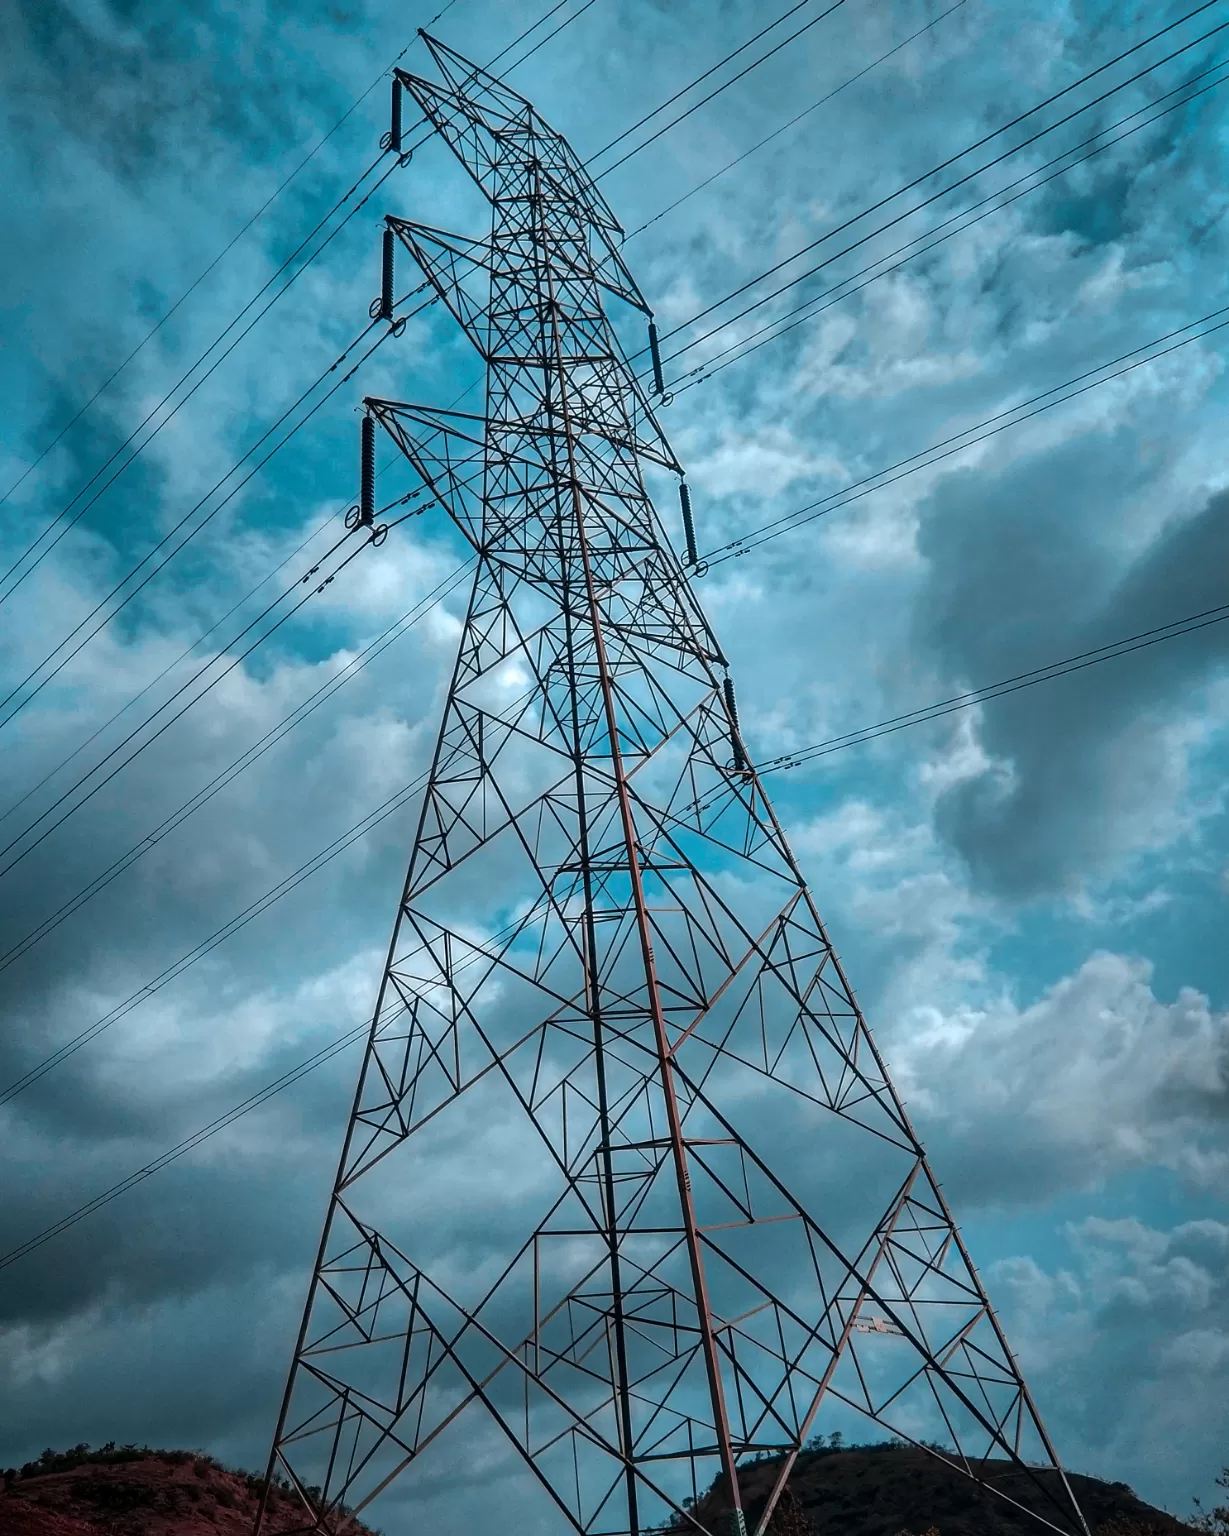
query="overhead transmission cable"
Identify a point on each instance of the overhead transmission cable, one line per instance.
(261, 1096)
(979, 432)
(63, 514)
(65, 795)
(301, 711)
(952, 160)
(102, 606)
(203, 502)
(930, 239)
(171, 665)
(253, 1101)
(20, 853)
(699, 80)
(225, 776)
(717, 90)
(797, 118)
(118, 588)
(1008, 685)
(212, 663)
(227, 930)
(194, 285)
(542, 42)
(314, 255)
(222, 254)
(784, 762)
(1066, 90)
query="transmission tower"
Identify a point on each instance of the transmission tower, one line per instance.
(626, 1186)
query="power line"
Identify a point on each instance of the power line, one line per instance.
(204, 635)
(234, 662)
(699, 79)
(166, 398)
(528, 32)
(193, 286)
(60, 800)
(170, 666)
(1067, 89)
(118, 588)
(226, 250)
(219, 936)
(931, 239)
(1008, 685)
(220, 1123)
(237, 319)
(951, 160)
(233, 925)
(725, 85)
(944, 449)
(262, 1096)
(206, 667)
(245, 760)
(217, 363)
(501, 54)
(797, 118)
(566, 22)
(25, 944)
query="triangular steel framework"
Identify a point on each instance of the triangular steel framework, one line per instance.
(725, 1233)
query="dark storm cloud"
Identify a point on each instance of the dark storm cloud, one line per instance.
(1026, 567)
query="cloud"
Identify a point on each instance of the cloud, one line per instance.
(1088, 770)
(1096, 1078)
(1127, 1346)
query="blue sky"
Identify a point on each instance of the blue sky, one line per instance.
(1030, 896)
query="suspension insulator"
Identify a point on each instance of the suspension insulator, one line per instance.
(689, 523)
(659, 383)
(394, 132)
(367, 484)
(386, 274)
(731, 709)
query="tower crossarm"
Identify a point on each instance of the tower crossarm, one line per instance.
(477, 115)
(490, 290)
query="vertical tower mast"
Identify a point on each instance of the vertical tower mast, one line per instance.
(625, 1184)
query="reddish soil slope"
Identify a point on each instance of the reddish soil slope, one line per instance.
(132, 1492)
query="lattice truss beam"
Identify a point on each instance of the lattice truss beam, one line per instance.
(626, 1182)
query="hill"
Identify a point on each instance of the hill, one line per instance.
(898, 1490)
(133, 1491)
(883, 1490)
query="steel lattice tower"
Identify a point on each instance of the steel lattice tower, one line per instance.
(609, 983)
